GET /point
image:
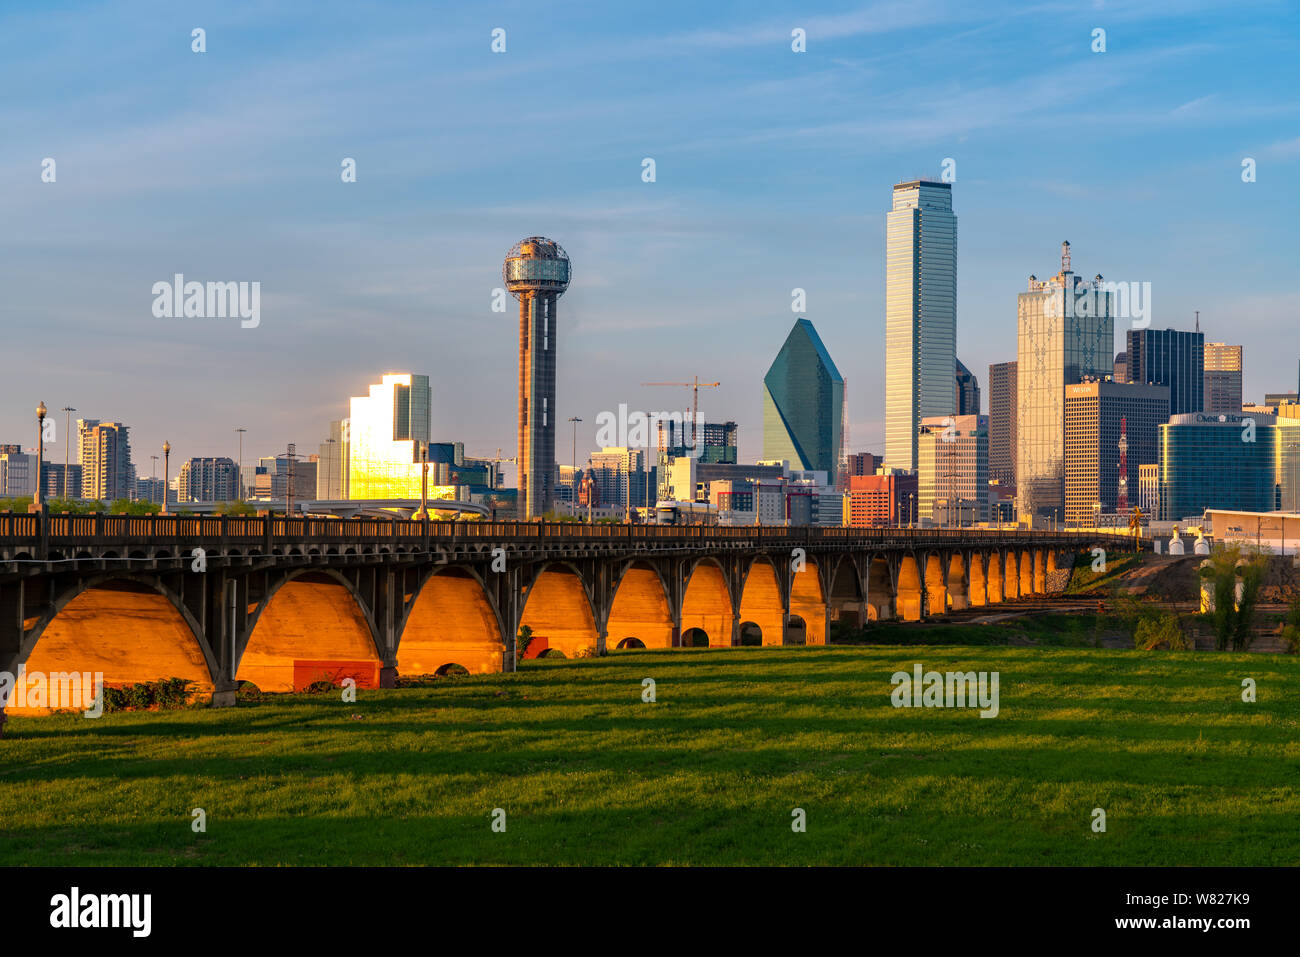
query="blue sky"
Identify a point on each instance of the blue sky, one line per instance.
(774, 171)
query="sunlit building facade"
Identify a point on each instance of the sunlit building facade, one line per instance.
(920, 314)
(387, 430)
(1223, 370)
(953, 473)
(1066, 332)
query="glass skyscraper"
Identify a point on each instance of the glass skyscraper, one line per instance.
(1217, 461)
(1170, 358)
(1222, 378)
(386, 431)
(920, 314)
(1066, 332)
(803, 404)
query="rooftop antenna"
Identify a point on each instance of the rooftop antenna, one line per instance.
(1065, 257)
(1198, 320)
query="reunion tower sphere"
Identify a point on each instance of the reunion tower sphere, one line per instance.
(536, 265)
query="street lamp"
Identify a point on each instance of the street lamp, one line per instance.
(241, 462)
(424, 481)
(67, 410)
(573, 493)
(153, 477)
(167, 453)
(39, 497)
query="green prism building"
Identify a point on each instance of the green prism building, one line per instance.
(803, 404)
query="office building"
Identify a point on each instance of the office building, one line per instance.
(537, 273)
(920, 314)
(387, 430)
(1002, 422)
(1096, 414)
(620, 477)
(967, 399)
(1223, 372)
(104, 451)
(881, 501)
(55, 484)
(17, 474)
(1148, 488)
(1170, 358)
(208, 479)
(1121, 367)
(332, 475)
(1236, 462)
(803, 404)
(152, 489)
(862, 463)
(953, 473)
(282, 477)
(1066, 332)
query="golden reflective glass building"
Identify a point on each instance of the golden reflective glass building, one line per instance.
(387, 429)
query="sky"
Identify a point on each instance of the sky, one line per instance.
(773, 171)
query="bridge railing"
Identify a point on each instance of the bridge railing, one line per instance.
(65, 529)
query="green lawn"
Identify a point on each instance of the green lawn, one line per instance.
(709, 774)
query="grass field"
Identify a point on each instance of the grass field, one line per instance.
(709, 774)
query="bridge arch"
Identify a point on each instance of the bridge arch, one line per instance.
(762, 601)
(311, 625)
(909, 588)
(706, 603)
(936, 585)
(848, 604)
(956, 581)
(640, 611)
(751, 635)
(558, 607)
(796, 631)
(978, 579)
(451, 620)
(880, 589)
(129, 628)
(808, 604)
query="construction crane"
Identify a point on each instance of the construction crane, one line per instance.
(695, 388)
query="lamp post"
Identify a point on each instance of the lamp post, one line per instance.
(329, 468)
(241, 463)
(39, 498)
(153, 476)
(424, 481)
(574, 487)
(67, 411)
(167, 457)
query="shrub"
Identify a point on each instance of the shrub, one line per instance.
(1291, 626)
(164, 693)
(522, 642)
(1234, 618)
(1159, 630)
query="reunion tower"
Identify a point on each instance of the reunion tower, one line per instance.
(536, 272)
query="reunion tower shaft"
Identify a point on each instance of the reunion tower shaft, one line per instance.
(536, 272)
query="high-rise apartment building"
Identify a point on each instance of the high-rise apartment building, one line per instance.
(1002, 422)
(1066, 333)
(620, 477)
(17, 474)
(332, 475)
(1170, 358)
(1223, 370)
(968, 391)
(208, 479)
(387, 430)
(803, 404)
(1096, 414)
(104, 451)
(953, 477)
(920, 314)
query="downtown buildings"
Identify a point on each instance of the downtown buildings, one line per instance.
(1170, 358)
(104, 451)
(953, 473)
(1097, 414)
(1065, 334)
(1002, 422)
(208, 479)
(1238, 462)
(388, 429)
(920, 314)
(1223, 370)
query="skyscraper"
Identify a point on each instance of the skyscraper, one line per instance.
(1002, 422)
(1170, 358)
(536, 272)
(104, 449)
(920, 314)
(1066, 332)
(1223, 367)
(953, 469)
(803, 401)
(1095, 413)
(387, 429)
(967, 401)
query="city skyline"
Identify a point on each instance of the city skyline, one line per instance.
(399, 273)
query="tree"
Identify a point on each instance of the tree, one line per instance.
(1234, 616)
(522, 642)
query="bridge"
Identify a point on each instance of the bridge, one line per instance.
(345, 508)
(281, 602)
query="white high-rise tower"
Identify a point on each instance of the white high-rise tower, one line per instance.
(920, 314)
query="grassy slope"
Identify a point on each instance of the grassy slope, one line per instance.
(1187, 773)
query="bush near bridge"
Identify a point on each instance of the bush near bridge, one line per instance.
(708, 774)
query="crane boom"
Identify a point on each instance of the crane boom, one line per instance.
(695, 387)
